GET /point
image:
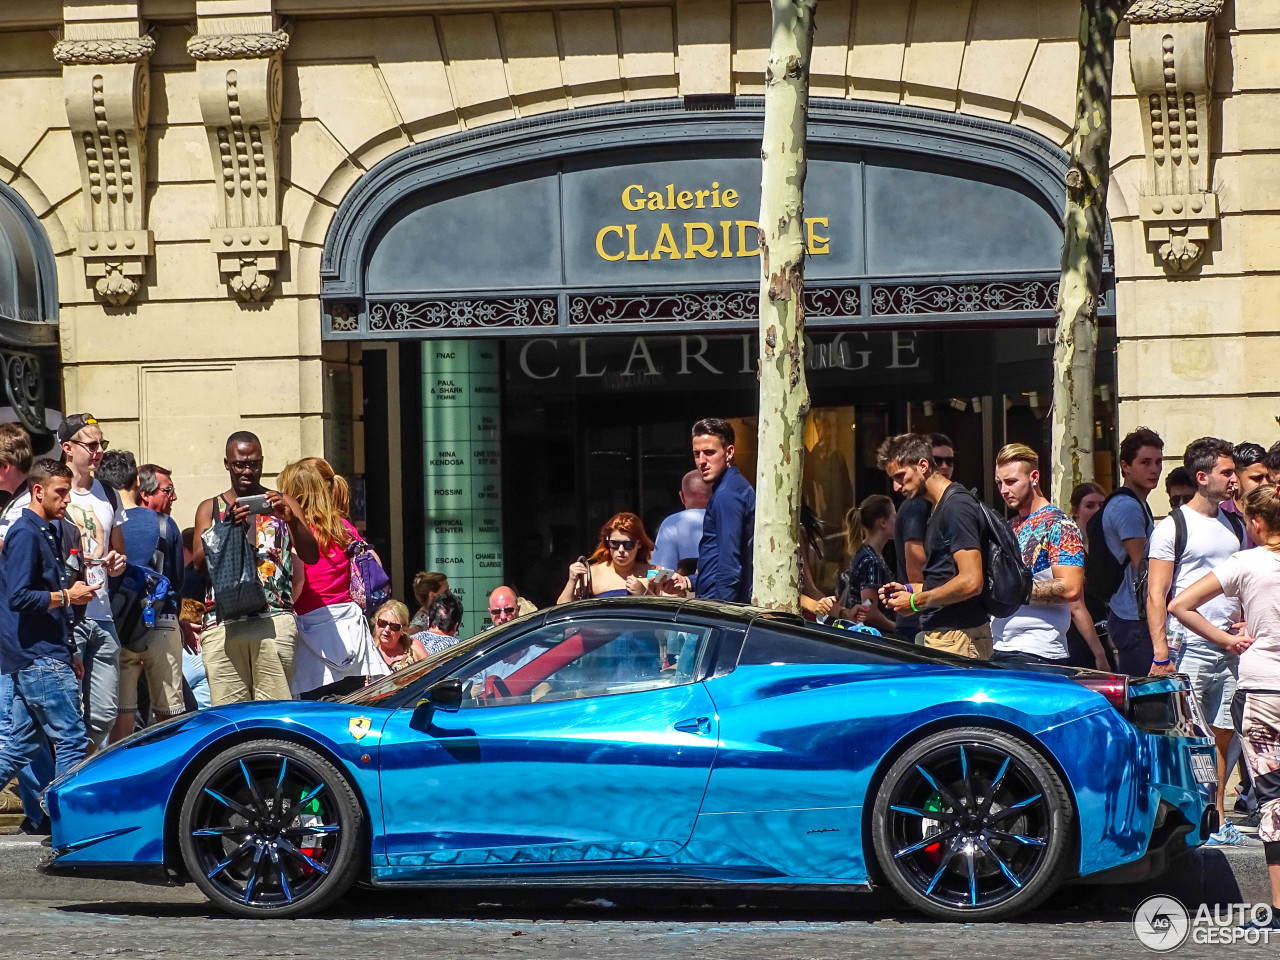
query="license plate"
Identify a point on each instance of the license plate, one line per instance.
(1205, 767)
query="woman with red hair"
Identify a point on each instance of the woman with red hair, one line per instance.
(620, 565)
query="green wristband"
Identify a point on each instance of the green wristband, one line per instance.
(914, 608)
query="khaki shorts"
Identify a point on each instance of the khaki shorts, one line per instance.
(250, 659)
(974, 642)
(161, 664)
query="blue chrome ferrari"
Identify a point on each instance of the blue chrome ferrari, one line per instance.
(656, 742)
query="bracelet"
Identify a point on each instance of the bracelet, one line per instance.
(914, 608)
(1162, 663)
(66, 598)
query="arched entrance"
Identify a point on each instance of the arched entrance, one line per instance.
(28, 317)
(586, 284)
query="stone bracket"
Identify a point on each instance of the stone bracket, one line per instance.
(248, 258)
(241, 93)
(1171, 52)
(107, 88)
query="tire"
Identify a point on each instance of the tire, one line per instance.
(998, 852)
(269, 828)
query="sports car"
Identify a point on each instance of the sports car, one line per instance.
(659, 742)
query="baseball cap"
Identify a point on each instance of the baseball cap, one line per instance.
(73, 424)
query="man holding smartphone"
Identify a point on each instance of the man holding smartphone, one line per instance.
(252, 658)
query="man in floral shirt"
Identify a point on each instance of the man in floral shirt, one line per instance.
(1052, 549)
(252, 658)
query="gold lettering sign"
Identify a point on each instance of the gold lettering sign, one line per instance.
(689, 240)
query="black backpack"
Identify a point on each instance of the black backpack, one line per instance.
(1103, 573)
(1006, 579)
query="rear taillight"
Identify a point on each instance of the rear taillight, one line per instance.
(1113, 686)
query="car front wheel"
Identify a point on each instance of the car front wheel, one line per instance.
(972, 824)
(271, 828)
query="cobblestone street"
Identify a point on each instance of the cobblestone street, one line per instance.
(427, 924)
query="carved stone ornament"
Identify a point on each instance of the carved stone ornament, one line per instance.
(1171, 51)
(241, 93)
(117, 50)
(108, 99)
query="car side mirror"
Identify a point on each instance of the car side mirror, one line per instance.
(443, 695)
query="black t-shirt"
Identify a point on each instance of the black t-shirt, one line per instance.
(913, 520)
(955, 525)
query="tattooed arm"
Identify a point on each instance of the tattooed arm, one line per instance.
(1066, 586)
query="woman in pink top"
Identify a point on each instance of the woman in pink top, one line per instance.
(337, 654)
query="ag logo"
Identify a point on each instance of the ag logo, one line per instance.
(1161, 924)
(359, 726)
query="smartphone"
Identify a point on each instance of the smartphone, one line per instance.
(661, 575)
(257, 503)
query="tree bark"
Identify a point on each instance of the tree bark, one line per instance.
(784, 393)
(1085, 225)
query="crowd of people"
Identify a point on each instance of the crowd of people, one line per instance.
(112, 616)
(1109, 589)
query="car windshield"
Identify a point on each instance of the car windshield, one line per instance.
(388, 686)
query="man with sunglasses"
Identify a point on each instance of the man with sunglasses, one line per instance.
(504, 606)
(95, 509)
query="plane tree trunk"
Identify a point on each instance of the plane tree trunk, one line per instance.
(784, 394)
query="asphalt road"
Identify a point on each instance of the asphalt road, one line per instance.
(423, 925)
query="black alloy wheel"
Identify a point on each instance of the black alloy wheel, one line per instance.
(271, 828)
(972, 824)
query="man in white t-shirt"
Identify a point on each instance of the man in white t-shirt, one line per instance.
(95, 510)
(1185, 546)
(1054, 553)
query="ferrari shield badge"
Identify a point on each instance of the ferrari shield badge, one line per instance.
(359, 726)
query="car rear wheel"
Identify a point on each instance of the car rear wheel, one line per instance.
(271, 828)
(972, 824)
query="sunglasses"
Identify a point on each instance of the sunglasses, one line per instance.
(945, 461)
(93, 446)
(620, 544)
(390, 625)
(494, 611)
(245, 466)
(168, 489)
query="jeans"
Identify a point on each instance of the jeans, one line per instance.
(32, 779)
(1132, 640)
(98, 647)
(46, 709)
(197, 680)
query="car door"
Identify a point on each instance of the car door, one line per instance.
(586, 740)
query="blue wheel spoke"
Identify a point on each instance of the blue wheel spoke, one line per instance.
(287, 847)
(315, 828)
(1015, 838)
(253, 874)
(971, 868)
(307, 797)
(229, 831)
(995, 786)
(946, 793)
(277, 801)
(228, 802)
(284, 881)
(234, 856)
(1004, 867)
(942, 867)
(259, 804)
(1014, 808)
(968, 784)
(926, 842)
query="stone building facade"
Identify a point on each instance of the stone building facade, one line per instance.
(185, 160)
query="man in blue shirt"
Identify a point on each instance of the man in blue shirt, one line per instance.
(36, 650)
(728, 528)
(681, 533)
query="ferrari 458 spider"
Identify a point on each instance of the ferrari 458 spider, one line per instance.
(659, 742)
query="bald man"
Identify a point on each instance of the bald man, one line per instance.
(503, 605)
(680, 533)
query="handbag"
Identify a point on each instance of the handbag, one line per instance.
(233, 569)
(370, 584)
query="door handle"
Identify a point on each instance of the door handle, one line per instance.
(698, 725)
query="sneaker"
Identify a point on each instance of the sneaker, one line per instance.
(1228, 836)
(41, 829)
(1247, 822)
(1274, 923)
